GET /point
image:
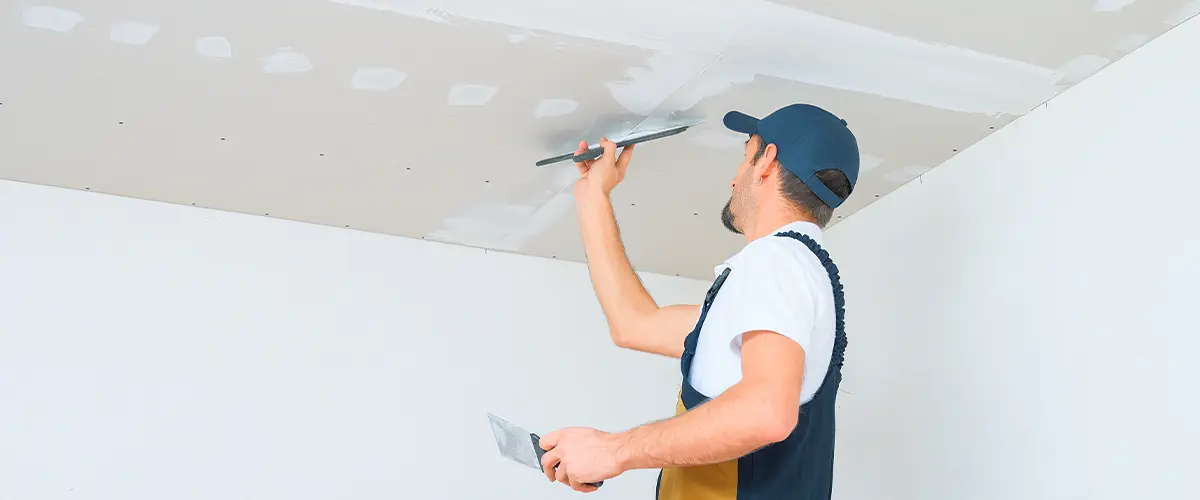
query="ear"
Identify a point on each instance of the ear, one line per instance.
(766, 165)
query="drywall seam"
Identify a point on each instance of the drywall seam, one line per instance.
(830, 52)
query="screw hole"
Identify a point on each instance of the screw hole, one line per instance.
(347, 225)
(407, 168)
(487, 182)
(120, 123)
(193, 204)
(87, 189)
(955, 150)
(222, 138)
(322, 154)
(695, 213)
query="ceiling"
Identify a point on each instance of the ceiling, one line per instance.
(423, 118)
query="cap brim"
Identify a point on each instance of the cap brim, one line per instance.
(738, 121)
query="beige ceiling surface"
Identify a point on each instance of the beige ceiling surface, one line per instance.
(424, 118)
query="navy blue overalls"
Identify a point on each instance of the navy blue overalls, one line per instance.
(797, 468)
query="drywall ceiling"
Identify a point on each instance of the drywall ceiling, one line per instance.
(423, 118)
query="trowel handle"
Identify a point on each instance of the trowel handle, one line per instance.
(537, 448)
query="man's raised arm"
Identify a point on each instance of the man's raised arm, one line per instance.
(635, 321)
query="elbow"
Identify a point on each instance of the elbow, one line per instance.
(775, 424)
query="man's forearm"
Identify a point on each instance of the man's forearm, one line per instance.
(725, 428)
(620, 292)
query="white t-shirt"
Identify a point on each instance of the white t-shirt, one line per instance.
(776, 284)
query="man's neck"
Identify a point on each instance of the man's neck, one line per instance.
(769, 223)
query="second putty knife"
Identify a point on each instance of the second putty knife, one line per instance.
(519, 446)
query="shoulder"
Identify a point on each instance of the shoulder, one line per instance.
(776, 256)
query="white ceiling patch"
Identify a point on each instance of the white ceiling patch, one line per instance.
(470, 95)
(377, 79)
(214, 47)
(740, 40)
(509, 219)
(1130, 43)
(1188, 11)
(1078, 69)
(132, 33)
(905, 174)
(1112, 5)
(866, 163)
(547, 108)
(285, 60)
(50, 18)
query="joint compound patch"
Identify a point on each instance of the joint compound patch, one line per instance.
(50, 18)
(1112, 5)
(508, 220)
(470, 95)
(730, 43)
(547, 108)
(285, 60)
(132, 33)
(1080, 68)
(1187, 11)
(905, 174)
(214, 47)
(377, 79)
(1130, 43)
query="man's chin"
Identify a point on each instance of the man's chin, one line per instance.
(727, 220)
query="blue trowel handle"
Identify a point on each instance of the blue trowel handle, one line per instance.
(537, 447)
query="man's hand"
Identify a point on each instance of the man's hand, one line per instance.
(600, 176)
(576, 456)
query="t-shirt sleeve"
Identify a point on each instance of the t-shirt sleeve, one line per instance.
(773, 292)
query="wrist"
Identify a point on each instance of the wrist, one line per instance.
(594, 199)
(625, 453)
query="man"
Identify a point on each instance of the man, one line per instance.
(761, 357)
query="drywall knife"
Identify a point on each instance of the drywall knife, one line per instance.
(520, 446)
(596, 151)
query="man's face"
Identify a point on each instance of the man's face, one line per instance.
(742, 203)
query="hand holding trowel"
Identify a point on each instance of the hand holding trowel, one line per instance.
(519, 445)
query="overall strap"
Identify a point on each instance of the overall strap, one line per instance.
(693, 338)
(839, 298)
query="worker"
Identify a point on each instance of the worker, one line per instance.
(761, 356)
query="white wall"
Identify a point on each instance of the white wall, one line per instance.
(153, 351)
(1022, 320)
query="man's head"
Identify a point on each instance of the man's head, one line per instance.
(800, 162)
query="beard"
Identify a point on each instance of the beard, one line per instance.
(727, 218)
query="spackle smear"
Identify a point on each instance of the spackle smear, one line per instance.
(1112, 5)
(377, 79)
(285, 60)
(1130, 43)
(905, 174)
(132, 33)
(214, 47)
(507, 220)
(1187, 11)
(50, 18)
(1078, 69)
(470, 95)
(866, 163)
(731, 43)
(547, 108)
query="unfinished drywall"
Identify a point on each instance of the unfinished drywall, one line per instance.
(1021, 318)
(152, 351)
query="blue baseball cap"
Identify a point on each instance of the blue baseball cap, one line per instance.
(808, 139)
